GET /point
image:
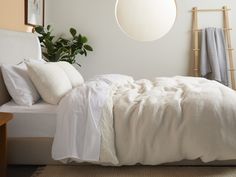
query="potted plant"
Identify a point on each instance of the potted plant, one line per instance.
(62, 49)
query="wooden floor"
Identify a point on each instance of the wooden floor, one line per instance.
(21, 170)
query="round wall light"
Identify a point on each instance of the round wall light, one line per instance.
(145, 20)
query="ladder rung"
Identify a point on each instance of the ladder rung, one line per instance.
(209, 10)
(195, 69)
(225, 29)
(231, 69)
(199, 49)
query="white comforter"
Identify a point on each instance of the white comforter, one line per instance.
(113, 119)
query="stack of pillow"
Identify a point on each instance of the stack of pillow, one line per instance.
(31, 80)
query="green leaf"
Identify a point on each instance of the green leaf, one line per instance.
(85, 52)
(41, 38)
(73, 32)
(51, 38)
(84, 39)
(78, 64)
(49, 45)
(48, 27)
(58, 54)
(79, 39)
(46, 55)
(40, 30)
(88, 47)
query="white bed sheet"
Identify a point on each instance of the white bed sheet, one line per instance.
(39, 107)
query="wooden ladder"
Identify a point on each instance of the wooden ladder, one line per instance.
(196, 49)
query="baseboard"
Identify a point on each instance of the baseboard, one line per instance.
(37, 151)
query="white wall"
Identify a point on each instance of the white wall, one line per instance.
(116, 53)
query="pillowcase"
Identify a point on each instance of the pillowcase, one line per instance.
(19, 84)
(73, 75)
(50, 80)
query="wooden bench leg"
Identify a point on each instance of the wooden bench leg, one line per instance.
(3, 149)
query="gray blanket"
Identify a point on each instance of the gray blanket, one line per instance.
(213, 55)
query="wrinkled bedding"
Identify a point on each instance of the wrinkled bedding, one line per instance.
(115, 120)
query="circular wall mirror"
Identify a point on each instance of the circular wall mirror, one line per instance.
(145, 20)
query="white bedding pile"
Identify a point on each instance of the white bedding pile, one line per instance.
(115, 120)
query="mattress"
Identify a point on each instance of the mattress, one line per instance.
(38, 120)
(39, 107)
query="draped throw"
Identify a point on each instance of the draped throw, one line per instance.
(213, 55)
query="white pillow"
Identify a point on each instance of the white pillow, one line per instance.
(74, 76)
(19, 84)
(50, 80)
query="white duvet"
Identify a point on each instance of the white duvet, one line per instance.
(113, 119)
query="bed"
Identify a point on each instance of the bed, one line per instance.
(32, 131)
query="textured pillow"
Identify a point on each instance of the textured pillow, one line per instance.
(19, 84)
(74, 76)
(50, 80)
